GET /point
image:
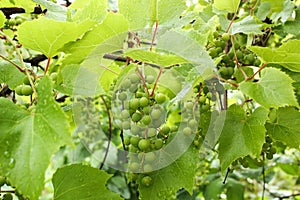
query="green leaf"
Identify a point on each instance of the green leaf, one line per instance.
(106, 37)
(50, 35)
(27, 5)
(79, 181)
(286, 127)
(287, 55)
(293, 26)
(146, 12)
(241, 135)
(274, 89)
(167, 181)
(247, 25)
(289, 168)
(10, 75)
(235, 190)
(87, 11)
(54, 10)
(160, 59)
(31, 139)
(214, 189)
(228, 5)
(2, 19)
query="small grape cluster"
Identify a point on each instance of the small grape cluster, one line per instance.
(13, 22)
(25, 89)
(268, 148)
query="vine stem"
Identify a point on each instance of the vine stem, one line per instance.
(143, 80)
(237, 61)
(48, 64)
(260, 68)
(226, 81)
(110, 131)
(264, 178)
(154, 34)
(14, 64)
(155, 84)
(226, 176)
(231, 22)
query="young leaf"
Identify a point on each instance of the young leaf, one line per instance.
(167, 181)
(228, 5)
(79, 181)
(241, 135)
(10, 75)
(48, 36)
(274, 89)
(286, 126)
(287, 55)
(247, 25)
(163, 60)
(87, 11)
(2, 19)
(30, 140)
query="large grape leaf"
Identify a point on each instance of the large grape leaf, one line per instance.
(48, 36)
(2, 19)
(287, 55)
(228, 5)
(10, 75)
(247, 25)
(241, 135)
(107, 37)
(162, 60)
(30, 139)
(87, 11)
(286, 126)
(27, 5)
(293, 26)
(79, 181)
(274, 89)
(167, 181)
(54, 10)
(146, 12)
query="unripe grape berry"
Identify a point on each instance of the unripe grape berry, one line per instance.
(144, 102)
(158, 143)
(193, 123)
(272, 150)
(125, 114)
(147, 181)
(26, 80)
(135, 130)
(150, 156)
(126, 125)
(239, 54)
(269, 156)
(136, 117)
(134, 141)
(225, 37)
(160, 98)
(27, 90)
(134, 78)
(220, 44)
(134, 104)
(7, 196)
(148, 168)
(134, 166)
(122, 96)
(147, 110)
(146, 120)
(126, 140)
(150, 79)
(165, 130)
(205, 107)
(144, 144)
(187, 131)
(189, 105)
(202, 99)
(18, 90)
(151, 132)
(125, 84)
(155, 114)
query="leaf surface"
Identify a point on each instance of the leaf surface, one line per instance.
(10, 75)
(228, 5)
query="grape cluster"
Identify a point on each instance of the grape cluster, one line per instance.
(13, 22)
(24, 89)
(268, 148)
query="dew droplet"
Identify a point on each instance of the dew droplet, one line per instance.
(12, 163)
(6, 154)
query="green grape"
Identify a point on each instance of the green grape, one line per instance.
(272, 150)
(193, 123)
(147, 110)
(147, 181)
(18, 90)
(148, 168)
(135, 130)
(19, 21)
(165, 130)
(216, 34)
(220, 44)
(125, 114)
(205, 107)
(257, 62)
(158, 143)
(144, 102)
(249, 59)
(134, 78)
(150, 79)
(133, 88)
(11, 22)
(219, 50)
(7, 196)
(146, 120)
(244, 163)
(126, 84)
(149, 157)
(136, 117)
(127, 141)
(225, 37)
(187, 131)
(151, 132)
(134, 104)
(196, 143)
(269, 139)
(144, 144)
(213, 52)
(223, 71)
(209, 95)
(230, 71)
(122, 96)
(134, 141)
(155, 114)
(202, 99)
(54, 76)
(160, 98)
(134, 166)
(269, 156)
(27, 90)
(239, 54)
(189, 105)
(26, 80)
(126, 125)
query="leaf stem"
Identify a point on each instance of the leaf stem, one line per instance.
(155, 84)
(231, 22)
(154, 34)
(226, 176)
(14, 64)
(47, 66)
(260, 68)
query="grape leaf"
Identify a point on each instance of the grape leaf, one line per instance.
(247, 25)
(274, 89)
(30, 139)
(10, 75)
(287, 55)
(79, 181)
(27, 5)
(293, 26)
(228, 5)
(241, 135)
(286, 126)
(163, 60)
(146, 12)
(87, 11)
(50, 35)
(107, 37)
(2, 19)
(54, 10)
(167, 181)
